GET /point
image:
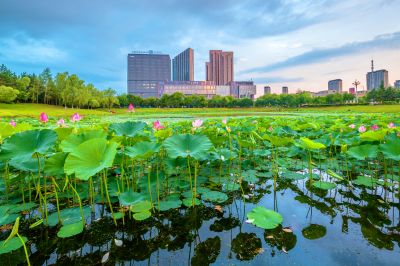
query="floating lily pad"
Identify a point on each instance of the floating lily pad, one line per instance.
(129, 197)
(141, 206)
(70, 230)
(170, 204)
(11, 245)
(264, 218)
(324, 185)
(140, 216)
(365, 181)
(214, 196)
(188, 202)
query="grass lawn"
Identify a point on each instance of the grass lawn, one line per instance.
(34, 110)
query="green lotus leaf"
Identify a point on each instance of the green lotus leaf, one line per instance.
(363, 151)
(73, 141)
(54, 165)
(373, 135)
(70, 230)
(278, 141)
(128, 129)
(365, 181)
(11, 245)
(140, 216)
(391, 149)
(214, 196)
(8, 219)
(90, 157)
(264, 218)
(324, 185)
(22, 146)
(188, 202)
(185, 145)
(142, 150)
(309, 144)
(170, 204)
(141, 206)
(28, 165)
(129, 198)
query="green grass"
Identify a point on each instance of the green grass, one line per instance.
(34, 110)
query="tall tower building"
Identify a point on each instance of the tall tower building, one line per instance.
(220, 68)
(285, 90)
(335, 85)
(397, 84)
(377, 78)
(183, 66)
(145, 71)
(267, 90)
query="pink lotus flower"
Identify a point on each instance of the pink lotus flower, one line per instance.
(76, 117)
(197, 123)
(224, 121)
(374, 127)
(352, 126)
(270, 129)
(61, 123)
(12, 123)
(131, 109)
(362, 129)
(391, 125)
(157, 125)
(44, 118)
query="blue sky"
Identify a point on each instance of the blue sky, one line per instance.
(295, 43)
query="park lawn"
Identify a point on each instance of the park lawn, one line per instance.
(355, 109)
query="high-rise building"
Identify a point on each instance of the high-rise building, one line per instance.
(397, 84)
(352, 91)
(267, 90)
(285, 90)
(205, 88)
(377, 78)
(183, 66)
(145, 71)
(220, 67)
(336, 85)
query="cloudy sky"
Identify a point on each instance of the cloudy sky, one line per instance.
(296, 43)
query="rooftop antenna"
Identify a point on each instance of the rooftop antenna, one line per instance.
(372, 75)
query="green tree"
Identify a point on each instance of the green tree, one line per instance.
(8, 94)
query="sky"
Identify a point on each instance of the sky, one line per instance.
(301, 44)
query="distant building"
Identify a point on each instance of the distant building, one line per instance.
(323, 93)
(377, 78)
(145, 71)
(220, 67)
(335, 85)
(352, 91)
(397, 84)
(205, 88)
(285, 90)
(183, 66)
(267, 90)
(243, 89)
(223, 90)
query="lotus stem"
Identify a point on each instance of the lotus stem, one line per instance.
(80, 205)
(108, 196)
(57, 202)
(25, 250)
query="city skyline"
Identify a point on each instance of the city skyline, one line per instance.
(299, 44)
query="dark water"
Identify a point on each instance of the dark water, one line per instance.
(339, 227)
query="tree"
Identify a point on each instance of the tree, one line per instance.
(22, 85)
(8, 94)
(109, 95)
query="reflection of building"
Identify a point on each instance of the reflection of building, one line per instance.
(220, 67)
(183, 66)
(397, 84)
(335, 85)
(205, 88)
(377, 78)
(285, 90)
(267, 90)
(243, 89)
(145, 71)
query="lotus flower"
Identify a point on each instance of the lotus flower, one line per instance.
(197, 123)
(44, 118)
(224, 121)
(12, 123)
(362, 129)
(352, 126)
(391, 125)
(374, 127)
(157, 125)
(76, 117)
(270, 129)
(131, 109)
(61, 123)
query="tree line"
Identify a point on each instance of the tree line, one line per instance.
(69, 90)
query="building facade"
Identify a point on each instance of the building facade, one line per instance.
(205, 88)
(145, 71)
(267, 90)
(243, 89)
(352, 91)
(336, 85)
(397, 84)
(220, 67)
(285, 90)
(377, 78)
(183, 66)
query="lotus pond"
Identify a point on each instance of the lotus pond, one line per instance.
(307, 190)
